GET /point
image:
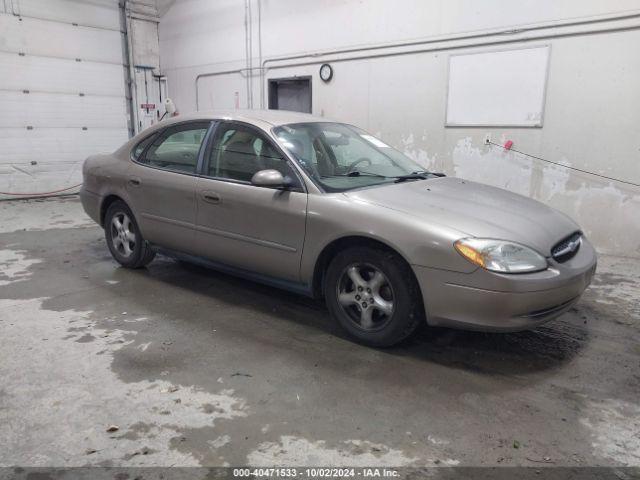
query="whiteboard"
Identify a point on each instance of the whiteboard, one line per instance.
(498, 88)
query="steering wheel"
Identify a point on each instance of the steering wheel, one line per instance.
(352, 167)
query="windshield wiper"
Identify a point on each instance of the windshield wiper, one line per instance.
(411, 176)
(418, 175)
(358, 173)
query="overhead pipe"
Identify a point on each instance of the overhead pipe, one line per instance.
(515, 35)
(247, 54)
(260, 48)
(250, 31)
(449, 38)
(436, 49)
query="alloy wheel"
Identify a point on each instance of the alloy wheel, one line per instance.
(123, 236)
(366, 296)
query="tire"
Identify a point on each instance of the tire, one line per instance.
(394, 308)
(125, 242)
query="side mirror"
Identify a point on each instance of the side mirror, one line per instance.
(269, 178)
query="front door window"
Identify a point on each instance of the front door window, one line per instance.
(239, 152)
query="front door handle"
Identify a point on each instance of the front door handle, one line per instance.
(135, 181)
(211, 197)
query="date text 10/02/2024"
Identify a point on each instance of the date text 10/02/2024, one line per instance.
(316, 472)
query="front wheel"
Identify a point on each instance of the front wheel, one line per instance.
(374, 296)
(123, 237)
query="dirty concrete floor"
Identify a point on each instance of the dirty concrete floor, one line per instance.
(199, 368)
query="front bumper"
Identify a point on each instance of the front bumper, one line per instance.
(488, 301)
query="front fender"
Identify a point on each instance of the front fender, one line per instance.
(334, 216)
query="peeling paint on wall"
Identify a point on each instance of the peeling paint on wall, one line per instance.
(608, 215)
(491, 166)
(412, 149)
(590, 105)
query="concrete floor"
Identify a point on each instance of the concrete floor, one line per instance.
(200, 368)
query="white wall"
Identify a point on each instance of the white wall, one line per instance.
(62, 90)
(64, 69)
(591, 121)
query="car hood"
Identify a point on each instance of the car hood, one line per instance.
(476, 209)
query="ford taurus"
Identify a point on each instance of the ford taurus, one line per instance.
(328, 210)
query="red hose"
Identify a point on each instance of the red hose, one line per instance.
(41, 193)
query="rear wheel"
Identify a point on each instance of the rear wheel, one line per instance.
(123, 237)
(373, 295)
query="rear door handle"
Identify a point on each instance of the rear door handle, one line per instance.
(211, 197)
(135, 181)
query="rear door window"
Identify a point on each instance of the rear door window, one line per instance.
(137, 151)
(177, 148)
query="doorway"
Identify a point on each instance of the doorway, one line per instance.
(293, 94)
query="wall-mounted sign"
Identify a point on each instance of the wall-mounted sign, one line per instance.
(148, 106)
(498, 88)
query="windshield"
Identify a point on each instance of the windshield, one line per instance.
(341, 157)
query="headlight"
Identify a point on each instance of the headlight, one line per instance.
(500, 255)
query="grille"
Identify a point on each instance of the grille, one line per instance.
(566, 249)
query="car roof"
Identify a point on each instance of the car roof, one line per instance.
(273, 118)
(264, 119)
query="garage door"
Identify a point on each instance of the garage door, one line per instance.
(62, 91)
